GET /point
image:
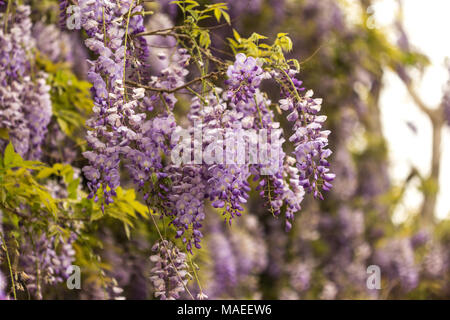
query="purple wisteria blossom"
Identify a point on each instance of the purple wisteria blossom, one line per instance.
(278, 178)
(396, 259)
(237, 255)
(26, 108)
(225, 176)
(38, 108)
(310, 141)
(55, 44)
(225, 264)
(244, 77)
(170, 273)
(46, 264)
(113, 115)
(436, 261)
(63, 5)
(186, 204)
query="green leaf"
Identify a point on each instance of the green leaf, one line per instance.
(226, 17)
(45, 173)
(72, 188)
(236, 35)
(11, 158)
(9, 155)
(217, 14)
(205, 40)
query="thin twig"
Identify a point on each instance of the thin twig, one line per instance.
(184, 86)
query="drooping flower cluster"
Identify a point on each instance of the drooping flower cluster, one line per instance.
(220, 175)
(309, 140)
(11, 117)
(170, 274)
(171, 77)
(300, 274)
(130, 264)
(45, 264)
(280, 182)
(396, 259)
(436, 261)
(244, 76)
(26, 108)
(38, 107)
(16, 44)
(225, 271)
(185, 204)
(52, 43)
(279, 179)
(136, 128)
(225, 185)
(63, 6)
(106, 28)
(236, 257)
(226, 176)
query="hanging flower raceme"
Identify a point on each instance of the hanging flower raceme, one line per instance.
(279, 181)
(310, 141)
(170, 274)
(237, 255)
(63, 6)
(169, 78)
(111, 131)
(397, 260)
(12, 117)
(186, 204)
(46, 265)
(38, 107)
(244, 77)
(26, 108)
(154, 139)
(225, 268)
(277, 175)
(227, 183)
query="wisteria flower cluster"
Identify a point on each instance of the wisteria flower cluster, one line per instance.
(26, 108)
(43, 262)
(124, 132)
(135, 122)
(164, 149)
(170, 275)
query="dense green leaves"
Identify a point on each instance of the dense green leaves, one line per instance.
(271, 54)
